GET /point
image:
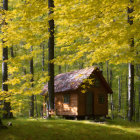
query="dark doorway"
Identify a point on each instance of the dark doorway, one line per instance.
(89, 103)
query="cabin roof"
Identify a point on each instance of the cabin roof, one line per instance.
(72, 80)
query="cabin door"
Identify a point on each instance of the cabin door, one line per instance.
(89, 103)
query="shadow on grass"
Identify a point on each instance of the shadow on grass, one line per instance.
(123, 123)
(32, 129)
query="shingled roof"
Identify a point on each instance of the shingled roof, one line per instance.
(70, 80)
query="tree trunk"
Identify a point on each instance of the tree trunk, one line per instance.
(1, 124)
(131, 92)
(43, 56)
(31, 112)
(126, 96)
(51, 57)
(43, 69)
(59, 69)
(138, 89)
(139, 92)
(12, 51)
(131, 72)
(36, 105)
(111, 96)
(7, 106)
(47, 107)
(119, 94)
(107, 72)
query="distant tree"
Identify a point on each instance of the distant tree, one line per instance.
(131, 69)
(119, 93)
(12, 51)
(139, 92)
(43, 57)
(107, 72)
(51, 56)
(111, 96)
(31, 112)
(126, 86)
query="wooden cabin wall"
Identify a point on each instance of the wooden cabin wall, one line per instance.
(100, 109)
(81, 104)
(64, 108)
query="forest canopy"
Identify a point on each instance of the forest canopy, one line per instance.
(86, 33)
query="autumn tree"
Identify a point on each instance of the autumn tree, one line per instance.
(31, 111)
(131, 69)
(87, 31)
(51, 56)
(7, 106)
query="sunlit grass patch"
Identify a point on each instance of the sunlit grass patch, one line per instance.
(61, 129)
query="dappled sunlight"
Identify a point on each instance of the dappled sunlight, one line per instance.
(127, 129)
(67, 130)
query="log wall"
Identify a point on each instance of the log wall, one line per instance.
(65, 108)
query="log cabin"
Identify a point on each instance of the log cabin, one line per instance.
(80, 93)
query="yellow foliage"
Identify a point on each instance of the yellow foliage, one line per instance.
(96, 29)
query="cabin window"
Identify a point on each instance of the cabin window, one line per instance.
(66, 98)
(101, 99)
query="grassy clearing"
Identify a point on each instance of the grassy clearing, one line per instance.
(32, 129)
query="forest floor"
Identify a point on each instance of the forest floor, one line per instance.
(61, 129)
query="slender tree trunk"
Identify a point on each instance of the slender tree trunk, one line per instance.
(36, 105)
(139, 92)
(31, 111)
(7, 106)
(43, 58)
(12, 51)
(119, 94)
(139, 84)
(139, 98)
(51, 57)
(126, 96)
(111, 96)
(59, 69)
(131, 92)
(131, 72)
(107, 72)
(1, 124)
(43, 69)
(138, 89)
(47, 107)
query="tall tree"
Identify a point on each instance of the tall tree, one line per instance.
(126, 86)
(31, 112)
(51, 56)
(119, 93)
(12, 51)
(131, 70)
(107, 72)
(7, 106)
(111, 96)
(139, 94)
(43, 57)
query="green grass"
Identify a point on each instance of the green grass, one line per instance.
(59, 129)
